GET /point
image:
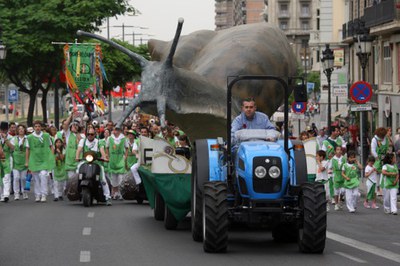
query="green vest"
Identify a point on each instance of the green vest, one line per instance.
(381, 150)
(337, 166)
(131, 159)
(331, 145)
(388, 180)
(116, 164)
(70, 153)
(19, 154)
(59, 170)
(40, 155)
(6, 164)
(352, 172)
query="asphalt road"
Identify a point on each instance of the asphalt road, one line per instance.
(66, 233)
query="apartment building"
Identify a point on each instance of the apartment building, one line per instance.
(382, 19)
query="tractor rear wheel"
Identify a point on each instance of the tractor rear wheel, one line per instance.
(312, 223)
(215, 217)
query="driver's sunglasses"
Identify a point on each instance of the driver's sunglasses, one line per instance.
(91, 134)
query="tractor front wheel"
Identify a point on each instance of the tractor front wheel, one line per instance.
(312, 223)
(215, 217)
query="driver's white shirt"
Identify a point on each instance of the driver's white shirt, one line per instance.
(91, 145)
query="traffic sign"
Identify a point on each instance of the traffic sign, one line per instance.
(360, 107)
(299, 107)
(340, 90)
(13, 95)
(299, 116)
(361, 92)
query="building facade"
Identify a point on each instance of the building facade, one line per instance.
(382, 20)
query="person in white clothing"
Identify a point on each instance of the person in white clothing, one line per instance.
(135, 149)
(90, 143)
(372, 176)
(322, 173)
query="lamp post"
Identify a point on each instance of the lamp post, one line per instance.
(3, 55)
(364, 47)
(327, 61)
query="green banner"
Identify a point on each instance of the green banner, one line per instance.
(81, 66)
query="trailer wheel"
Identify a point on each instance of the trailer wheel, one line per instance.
(200, 168)
(215, 217)
(170, 222)
(312, 223)
(159, 207)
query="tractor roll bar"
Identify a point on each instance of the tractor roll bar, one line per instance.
(231, 80)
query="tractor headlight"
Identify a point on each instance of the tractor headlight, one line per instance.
(260, 172)
(89, 158)
(274, 172)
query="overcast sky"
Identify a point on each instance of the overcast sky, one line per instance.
(161, 17)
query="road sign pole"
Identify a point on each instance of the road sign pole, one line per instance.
(362, 142)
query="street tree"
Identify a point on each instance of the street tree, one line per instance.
(30, 27)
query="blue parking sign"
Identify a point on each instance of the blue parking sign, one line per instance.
(13, 95)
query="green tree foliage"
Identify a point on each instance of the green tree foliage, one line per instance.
(119, 67)
(29, 28)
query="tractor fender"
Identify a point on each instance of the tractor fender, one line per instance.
(300, 162)
(200, 161)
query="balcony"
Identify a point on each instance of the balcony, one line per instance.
(305, 15)
(385, 11)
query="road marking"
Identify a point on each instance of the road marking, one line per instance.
(364, 247)
(85, 256)
(86, 231)
(351, 257)
(395, 243)
(90, 215)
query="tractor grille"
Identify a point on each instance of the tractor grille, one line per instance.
(267, 184)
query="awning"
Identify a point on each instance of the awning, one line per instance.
(342, 113)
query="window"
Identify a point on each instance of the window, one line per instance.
(283, 25)
(305, 25)
(305, 10)
(284, 9)
(387, 63)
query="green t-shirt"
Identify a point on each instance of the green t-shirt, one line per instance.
(337, 164)
(6, 163)
(59, 170)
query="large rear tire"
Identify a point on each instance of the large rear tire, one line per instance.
(312, 224)
(170, 222)
(215, 217)
(200, 174)
(86, 197)
(159, 207)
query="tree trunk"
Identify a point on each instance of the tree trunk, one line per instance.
(44, 105)
(31, 108)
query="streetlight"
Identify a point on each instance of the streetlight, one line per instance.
(327, 61)
(364, 47)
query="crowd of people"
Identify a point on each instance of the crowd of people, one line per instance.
(340, 171)
(52, 157)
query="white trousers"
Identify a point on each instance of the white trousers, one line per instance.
(58, 188)
(135, 173)
(116, 179)
(19, 180)
(351, 198)
(41, 181)
(6, 185)
(390, 199)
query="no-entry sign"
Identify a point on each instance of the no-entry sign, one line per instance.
(299, 107)
(361, 92)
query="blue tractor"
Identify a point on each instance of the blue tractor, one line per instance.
(263, 183)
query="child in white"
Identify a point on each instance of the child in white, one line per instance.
(372, 176)
(391, 183)
(322, 173)
(338, 182)
(351, 175)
